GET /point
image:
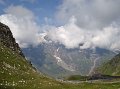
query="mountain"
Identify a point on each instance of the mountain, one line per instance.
(112, 67)
(7, 39)
(17, 73)
(56, 60)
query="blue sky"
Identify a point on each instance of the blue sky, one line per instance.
(41, 8)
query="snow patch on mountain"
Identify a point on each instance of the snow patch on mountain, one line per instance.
(61, 63)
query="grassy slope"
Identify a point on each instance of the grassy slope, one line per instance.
(17, 73)
(112, 67)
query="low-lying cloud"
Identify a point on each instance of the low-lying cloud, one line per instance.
(94, 23)
(72, 36)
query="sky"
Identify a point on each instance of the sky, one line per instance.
(93, 23)
(41, 8)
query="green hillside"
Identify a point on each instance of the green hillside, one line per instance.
(112, 67)
(17, 73)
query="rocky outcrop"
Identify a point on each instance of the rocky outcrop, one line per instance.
(7, 39)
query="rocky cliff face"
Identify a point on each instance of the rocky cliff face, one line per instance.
(6, 39)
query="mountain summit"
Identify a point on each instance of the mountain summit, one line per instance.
(7, 39)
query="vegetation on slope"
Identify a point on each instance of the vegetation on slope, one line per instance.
(112, 67)
(77, 78)
(17, 73)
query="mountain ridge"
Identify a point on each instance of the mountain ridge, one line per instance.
(7, 39)
(67, 61)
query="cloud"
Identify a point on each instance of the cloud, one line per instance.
(22, 24)
(2, 2)
(94, 23)
(90, 14)
(71, 35)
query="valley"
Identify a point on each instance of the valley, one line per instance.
(17, 72)
(47, 58)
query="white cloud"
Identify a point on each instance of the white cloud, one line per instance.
(95, 24)
(72, 36)
(90, 13)
(22, 24)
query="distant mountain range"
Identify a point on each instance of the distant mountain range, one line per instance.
(55, 60)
